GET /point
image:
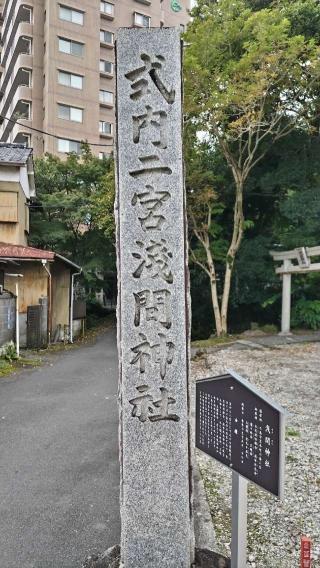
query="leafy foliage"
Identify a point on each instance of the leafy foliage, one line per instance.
(9, 353)
(301, 218)
(242, 66)
(73, 214)
(306, 313)
(252, 78)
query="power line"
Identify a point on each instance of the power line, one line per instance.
(31, 206)
(50, 134)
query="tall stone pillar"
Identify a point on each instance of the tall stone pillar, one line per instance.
(286, 299)
(153, 306)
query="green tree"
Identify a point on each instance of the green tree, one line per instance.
(249, 82)
(73, 213)
(283, 199)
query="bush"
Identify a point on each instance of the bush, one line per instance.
(269, 328)
(8, 352)
(306, 313)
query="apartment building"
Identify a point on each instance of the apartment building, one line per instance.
(57, 68)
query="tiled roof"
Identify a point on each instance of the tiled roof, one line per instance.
(14, 154)
(19, 251)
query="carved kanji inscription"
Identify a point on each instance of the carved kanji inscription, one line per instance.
(145, 407)
(151, 118)
(159, 354)
(153, 306)
(141, 76)
(155, 260)
(151, 203)
(150, 166)
(153, 320)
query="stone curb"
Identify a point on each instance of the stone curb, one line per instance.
(203, 526)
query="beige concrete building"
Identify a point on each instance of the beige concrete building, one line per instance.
(57, 64)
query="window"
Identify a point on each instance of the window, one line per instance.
(70, 80)
(71, 47)
(106, 97)
(67, 146)
(105, 127)
(71, 15)
(182, 28)
(103, 155)
(107, 8)
(8, 206)
(142, 20)
(106, 67)
(67, 112)
(106, 37)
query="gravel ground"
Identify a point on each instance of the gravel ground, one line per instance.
(290, 374)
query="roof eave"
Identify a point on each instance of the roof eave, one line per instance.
(67, 261)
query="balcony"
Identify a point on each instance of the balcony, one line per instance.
(20, 11)
(22, 80)
(22, 113)
(19, 30)
(20, 59)
(20, 136)
(8, 7)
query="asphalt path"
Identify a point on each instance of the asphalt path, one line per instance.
(59, 472)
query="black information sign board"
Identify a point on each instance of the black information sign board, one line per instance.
(242, 428)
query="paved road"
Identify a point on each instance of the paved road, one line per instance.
(59, 474)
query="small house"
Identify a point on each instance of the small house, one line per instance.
(36, 286)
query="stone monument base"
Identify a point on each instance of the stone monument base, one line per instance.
(111, 559)
(209, 559)
(108, 559)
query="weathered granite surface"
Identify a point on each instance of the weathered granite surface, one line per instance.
(153, 307)
(203, 559)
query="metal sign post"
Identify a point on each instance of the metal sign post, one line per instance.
(243, 429)
(239, 521)
(17, 311)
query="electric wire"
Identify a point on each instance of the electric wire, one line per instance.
(51, 134)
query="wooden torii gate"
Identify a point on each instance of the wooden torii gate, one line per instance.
(297, 261)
